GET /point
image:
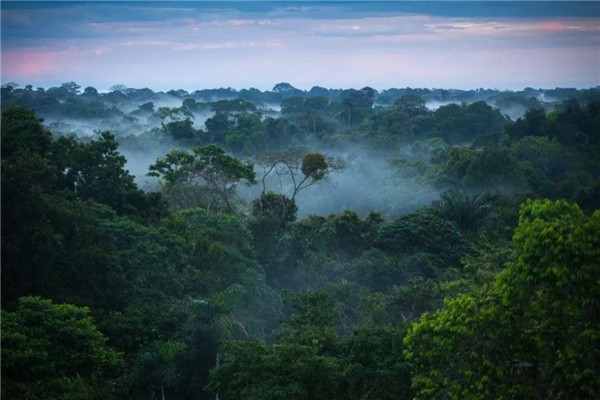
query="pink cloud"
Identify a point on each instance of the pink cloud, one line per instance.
(146, 43)
(552, 26)
(223, 45)
(559, 26)
(240, 22)
(33, 62)
(98, 50)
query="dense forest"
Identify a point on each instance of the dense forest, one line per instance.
(289, 244)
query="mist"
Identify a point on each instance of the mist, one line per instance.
(368, 182)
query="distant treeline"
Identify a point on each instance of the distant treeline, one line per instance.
(48, 100)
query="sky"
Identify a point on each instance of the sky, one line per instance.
(197, 45)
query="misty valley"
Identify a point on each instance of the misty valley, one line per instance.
(300, 244)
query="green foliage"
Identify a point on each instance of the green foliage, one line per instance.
(220, 252)
(314, 166)
(394, 124)
(207, 177)
(271, 206)
(219, 249)
(230, 106)
(219, 311)
(22, 131)
(412, 105)
(457, 124)
(253, 371)
(519, 320)
(96, 170)
(468, 212)
(297, 368)
(532, 124)
(492, 167)
(425, 230)
(312, 361)
(353, 234)
(376, 366)
(313, 322)
(174, 114)
(182, 130)
(532, 333)
(270, 219)
(53, 351)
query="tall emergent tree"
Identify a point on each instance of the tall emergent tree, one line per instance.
(297, 173)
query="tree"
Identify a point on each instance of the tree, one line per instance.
(118, 88)
(90, 92)
(221, 253)
(315, 167)
(206, 172)
(356, 105)
(317, 103)
(233, 106)
(457, 124)
(292, 105)
(53, 351)
(469, 212)
(575, 125)
(247, 136)
(530, 335)
(376, 368)
(533, 123)
(395, 124)
(174, 114)
(311, 361)
(180, 123)
(22, 131)
(182, 130)
(300, 367)
(51, 196)
(309, 252)
(96, 170)
(219, 313)
(283, 87)
(412, 105)
(29, 241)
(159, 362)
(217, 126)
(71, 87)
(191, 104)
(423, 231)
(269, 206)
(10, 86)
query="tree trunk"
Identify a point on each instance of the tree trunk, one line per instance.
(218, 364)
(162, 392)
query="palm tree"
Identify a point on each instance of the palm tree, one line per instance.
(469, 212)
(220, 313)
(159, 362)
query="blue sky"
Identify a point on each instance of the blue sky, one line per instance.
(190, 45)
